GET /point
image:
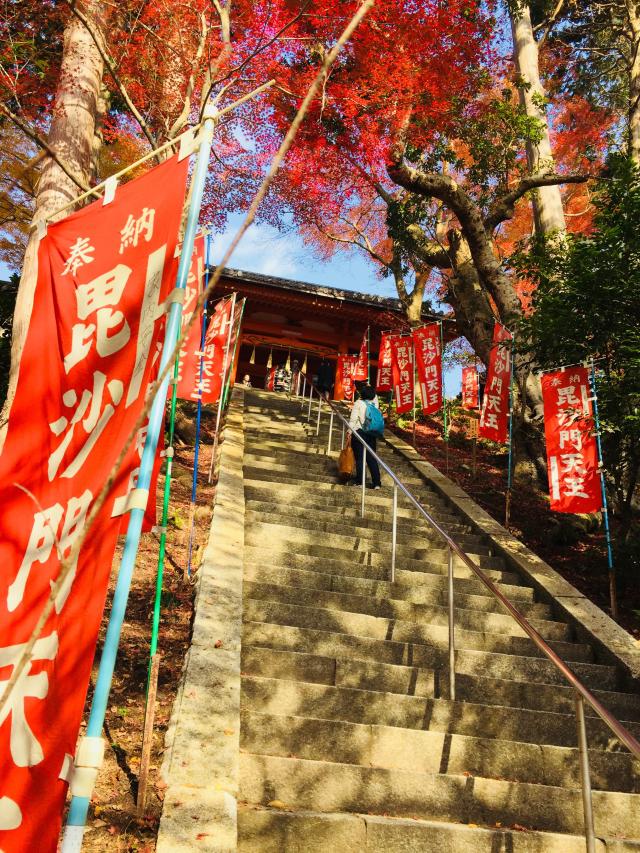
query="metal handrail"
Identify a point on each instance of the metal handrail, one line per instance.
(583, 694)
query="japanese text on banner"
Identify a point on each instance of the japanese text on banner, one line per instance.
(494, 416)
(470, 388)
(402, 369)
(428, 353)
(189, 362)
(572, 453)
(104, 274)
(361, 371)
(346, 369)
(384, 381)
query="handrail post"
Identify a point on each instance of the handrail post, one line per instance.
(330, 432)
(343, 428)
(319, 408)
(310, 401)
(304, 388)
(364, 476)
(394, 532)
(452, 629)
(585, 776)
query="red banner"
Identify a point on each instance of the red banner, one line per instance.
(215, 347)
(428, 353)
(346, 368)
(495, 403)
(384, 381)
(572, 453)
(402, 369)
(470, 388)
(361, 371)
(103, 275)
(189, 366)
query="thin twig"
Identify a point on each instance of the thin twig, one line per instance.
(67, 564)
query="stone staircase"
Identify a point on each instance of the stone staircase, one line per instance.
(348, 739)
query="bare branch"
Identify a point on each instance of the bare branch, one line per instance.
(35, 137)
(503, 207)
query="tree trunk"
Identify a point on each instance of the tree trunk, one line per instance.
(634, 83)
(71, 135)
(547, 201)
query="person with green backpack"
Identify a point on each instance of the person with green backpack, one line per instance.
(367, 421)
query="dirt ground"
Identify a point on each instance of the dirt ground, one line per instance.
(113, 823)
(582, 562)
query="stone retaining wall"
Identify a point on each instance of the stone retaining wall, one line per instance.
(200, 764)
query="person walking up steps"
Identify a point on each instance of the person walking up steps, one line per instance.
(366, 419)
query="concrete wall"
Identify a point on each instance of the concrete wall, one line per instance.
(200, 763)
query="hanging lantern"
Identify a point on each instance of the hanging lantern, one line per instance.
(304, 364)
(269, 360)
(287, 366)
(252, 360)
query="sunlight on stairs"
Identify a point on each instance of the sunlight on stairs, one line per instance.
(348, 740)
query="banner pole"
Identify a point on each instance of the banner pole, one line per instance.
(369, 355)
(415, 396)
(196, 450)
(507, 503)
(214, 449)
(78, 810)
(445, 425)
(227, 387)
(613, 593)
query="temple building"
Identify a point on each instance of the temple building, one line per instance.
(295, 320)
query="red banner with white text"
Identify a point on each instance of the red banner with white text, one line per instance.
(384, 381)
(104, 274)
(346, 369)
(572, 452)
(428, 353)
(361, 372)
(495, 403)
(189, 364)
(402, 370)
(470, 388)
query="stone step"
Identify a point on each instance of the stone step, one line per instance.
(380, 628)
(490, 664)
(344, 499)
(264, 830)
(367, 528)
(367, 707)
(407, 518)
(375, 564)
(278, 539)
(415, 681)
(434, 593)
(418, 751)
(403, 610)
(324, 787)
(287, 476)
(354, 576)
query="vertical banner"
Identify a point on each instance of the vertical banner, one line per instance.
(346, 368)
(361, 370)
(402, 370)
(104, 274)
(428, 354)
(495, 403)
(470, 388)
(384, 380)
(189, 363)
(572, 453)
(210, 386)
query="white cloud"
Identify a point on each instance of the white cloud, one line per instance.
(261, 250)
